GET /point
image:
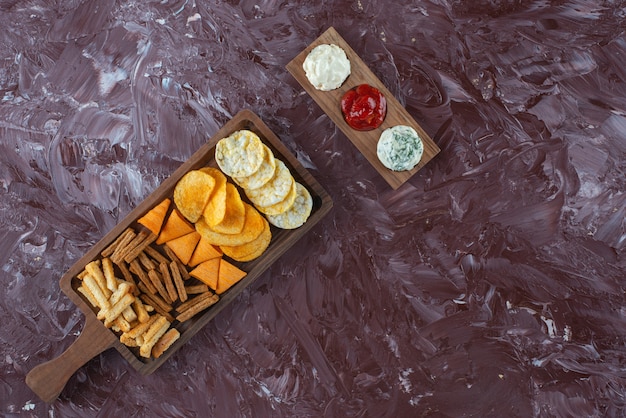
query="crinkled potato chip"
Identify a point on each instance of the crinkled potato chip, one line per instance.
(275, 190)
(192, 193)
(252, 228)
(235, 215)
(262, 175)
(216, 207)
(297, 214)
(240, 154)
(252, 249)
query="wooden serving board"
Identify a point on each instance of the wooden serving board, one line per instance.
(48, 379)
(330, 102)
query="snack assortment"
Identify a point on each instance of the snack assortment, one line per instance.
(171, 265)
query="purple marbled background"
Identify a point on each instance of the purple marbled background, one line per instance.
(490, 285)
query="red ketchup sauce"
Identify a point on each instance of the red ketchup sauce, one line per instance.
(364, 107)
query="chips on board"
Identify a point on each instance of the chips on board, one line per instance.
(192, 193)
(297, 214)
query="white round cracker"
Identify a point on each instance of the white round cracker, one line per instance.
(239, 154)
(275, 190)
(297, 214)
(264, 173)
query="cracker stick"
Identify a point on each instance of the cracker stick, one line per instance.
(165, 342)
(183, 271)
(152, 252)
(146, 261)
(170, 254)
(135, 267)
(111, 248)
(121, 324)
(196, 288)
(157, 303)
(117, 309)
(87, 293)
(140, 311)
(82, 274)
(187, 305)
(127, 237)
(129, 313)
(137, 330)
(196, 308)
(120, 252)
(157, 282)
(150, 338)
(126, 273)
(122, 290)
(109, 274)
(178, 281)
(134, 253)
(90, 283)
(127, 341)
(167, 279)
(96, 272)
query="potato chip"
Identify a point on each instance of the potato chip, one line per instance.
(192, 193)
(240, 154)
(252, 249)
(233, 220)
(252, 228)
(264, 173)
(275, 190)
(297, 214)
(216, 207)
(283, 205)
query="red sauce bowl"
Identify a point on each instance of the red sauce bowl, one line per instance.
(364, 107)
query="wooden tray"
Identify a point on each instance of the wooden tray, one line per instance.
(330, 102)
(48, 379)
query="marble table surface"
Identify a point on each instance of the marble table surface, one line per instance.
(490, 284)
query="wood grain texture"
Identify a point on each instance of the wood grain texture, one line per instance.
(330, 102)
(282, 240)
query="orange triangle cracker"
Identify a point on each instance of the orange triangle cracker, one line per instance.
(184, 246)
(153, 220)
(207, 272)
(228, 276)
(204, 251)
(175, 226)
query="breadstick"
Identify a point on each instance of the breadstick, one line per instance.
(111, 248)
(178, 281)
(135, 267)
(94, 271)
(134, 253)
(156, 330)
(117, 309)
(157, 282)
(196, 288)
(165, 342)
(198, 307)
(109, 274)
(90, 283)
(87, 293)
(152, 252)
(146, 261)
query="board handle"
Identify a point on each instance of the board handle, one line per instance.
(48, 379)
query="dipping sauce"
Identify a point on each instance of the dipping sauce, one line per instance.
(400, 148)
(364, 107)
(326, 67)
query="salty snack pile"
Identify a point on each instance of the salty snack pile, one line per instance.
(269, 185)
